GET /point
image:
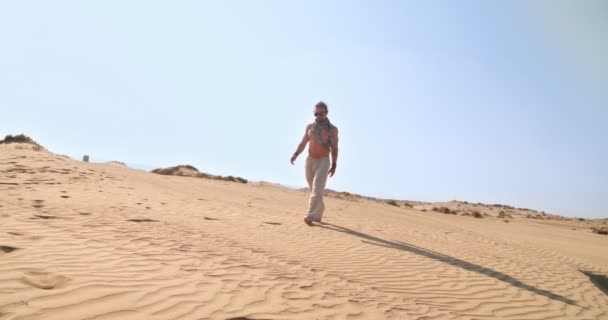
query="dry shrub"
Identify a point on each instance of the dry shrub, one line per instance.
(21, 138)
(392, 203)
(445, 210)
(191, 171)
(600, 230)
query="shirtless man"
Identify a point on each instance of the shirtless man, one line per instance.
(323, 137)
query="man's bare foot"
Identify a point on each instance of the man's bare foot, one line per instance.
(308, 221)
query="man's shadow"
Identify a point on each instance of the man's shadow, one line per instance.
(447, 259)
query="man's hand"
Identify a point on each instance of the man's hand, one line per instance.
(332, 170)
(293, 158)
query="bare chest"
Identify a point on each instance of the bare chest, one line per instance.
(324, 133)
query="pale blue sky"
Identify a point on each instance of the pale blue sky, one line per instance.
(489, 101)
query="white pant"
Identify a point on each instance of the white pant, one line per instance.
(316, 175)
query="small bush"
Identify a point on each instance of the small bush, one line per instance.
(190, 171)
(392, 203)
(21, 138)
(476, 214)
(445, 210)
(241, 180)
(600, 230)
(230, 178)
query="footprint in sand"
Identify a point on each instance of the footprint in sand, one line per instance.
(142, 220)
(39, 216)
(65, 197)
(273, 223)
(84, 213)
(8, 249)
(38, 203)
(44, 280)
(207, 218)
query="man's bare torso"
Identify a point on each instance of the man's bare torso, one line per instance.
(316, 149)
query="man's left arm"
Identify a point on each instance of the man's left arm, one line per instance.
(334, 153)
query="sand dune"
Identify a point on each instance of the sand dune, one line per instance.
(100, 241)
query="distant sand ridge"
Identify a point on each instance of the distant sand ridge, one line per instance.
(104, 241)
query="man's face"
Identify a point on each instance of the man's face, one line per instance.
(320, 113)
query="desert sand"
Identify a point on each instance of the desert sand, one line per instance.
(104, 241)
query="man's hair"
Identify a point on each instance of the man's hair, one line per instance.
(321, 104)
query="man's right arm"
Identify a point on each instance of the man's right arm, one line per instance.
(301, 146)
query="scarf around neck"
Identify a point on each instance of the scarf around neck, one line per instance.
(316, 130)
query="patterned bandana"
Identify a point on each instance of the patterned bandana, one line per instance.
(316, 130)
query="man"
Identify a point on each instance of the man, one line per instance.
(323, 138)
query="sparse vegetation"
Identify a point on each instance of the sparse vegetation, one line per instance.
(392, 203)
(191, 171)
(503, 206)
(600, 230)
(445, 210)
(476, 214)
(502, 215)
(21, 138)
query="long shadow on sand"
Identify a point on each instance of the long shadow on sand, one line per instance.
(447, 259)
